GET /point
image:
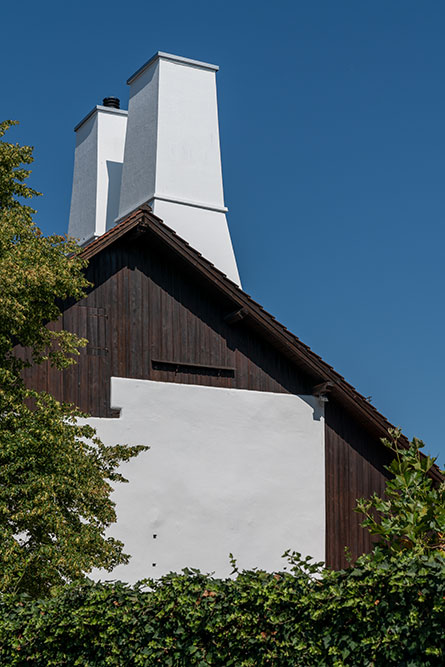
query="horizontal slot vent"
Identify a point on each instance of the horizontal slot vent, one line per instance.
(192, 369)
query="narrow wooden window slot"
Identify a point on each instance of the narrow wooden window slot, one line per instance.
(193, 369)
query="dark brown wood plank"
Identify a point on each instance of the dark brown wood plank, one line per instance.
(355, 461)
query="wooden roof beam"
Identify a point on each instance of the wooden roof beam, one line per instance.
(236, 316)
(323, 389)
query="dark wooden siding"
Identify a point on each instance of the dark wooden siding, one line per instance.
(354, 463)
(150, 317)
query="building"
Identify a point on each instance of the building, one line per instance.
(257, 445)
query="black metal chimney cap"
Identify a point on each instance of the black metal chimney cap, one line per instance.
(113, 102)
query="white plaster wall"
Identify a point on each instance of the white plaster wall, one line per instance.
(110, 156)
(172, 155)
(228, 471)
(139, 170)
(83, 198)
(98, 158)
(189, 158)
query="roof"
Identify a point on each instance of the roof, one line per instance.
(144, 219)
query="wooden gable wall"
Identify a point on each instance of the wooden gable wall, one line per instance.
(355, 461)
(150, 316)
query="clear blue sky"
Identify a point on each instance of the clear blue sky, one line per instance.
(332, 120)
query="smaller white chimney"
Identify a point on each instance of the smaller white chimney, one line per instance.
(98, 158)
(172, 154)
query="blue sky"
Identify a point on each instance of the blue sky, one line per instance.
(332, 122)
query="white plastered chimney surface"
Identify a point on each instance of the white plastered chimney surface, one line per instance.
(98, 159)
(167, 154)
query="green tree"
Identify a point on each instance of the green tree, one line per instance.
(411, 515)
(55, 474)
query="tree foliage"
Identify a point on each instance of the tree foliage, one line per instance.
(36, 272)
(54, 474)
(412, 513)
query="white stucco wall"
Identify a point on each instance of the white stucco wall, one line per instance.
(82, 221)
(228, 471)
(172, 154)
(98, 158)
(189, 158)
(139, 171)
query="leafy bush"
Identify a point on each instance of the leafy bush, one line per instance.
(386, 609)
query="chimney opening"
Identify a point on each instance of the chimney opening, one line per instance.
(113, 102)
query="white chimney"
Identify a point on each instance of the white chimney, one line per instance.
(172, 154)
(98, 158)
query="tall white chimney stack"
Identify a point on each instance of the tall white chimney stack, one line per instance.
(172, 154)
(98, 158)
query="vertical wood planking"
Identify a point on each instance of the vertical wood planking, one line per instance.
(354, 461)
(157, 309)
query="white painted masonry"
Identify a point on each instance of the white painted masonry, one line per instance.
(229, 470)
(98, 158)
(172, 154)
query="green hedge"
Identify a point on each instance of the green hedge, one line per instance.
(387, 610)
